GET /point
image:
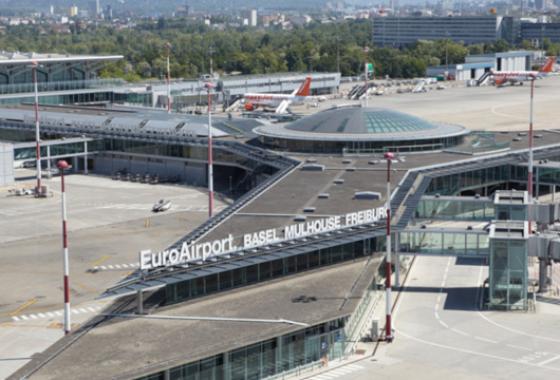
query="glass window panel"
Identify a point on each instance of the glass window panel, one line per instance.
(239, 277)
(211, 283)
(252, 274)
(225, 280)
(264, 271)
(277, 268)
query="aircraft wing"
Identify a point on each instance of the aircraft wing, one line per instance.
(283, 106)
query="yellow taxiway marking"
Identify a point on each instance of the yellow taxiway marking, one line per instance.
(100, 260)
(24, 306)
(85, 287)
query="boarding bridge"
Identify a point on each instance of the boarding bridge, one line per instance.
(52, 150)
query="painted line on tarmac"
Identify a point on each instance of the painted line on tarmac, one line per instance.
(552, 359)
(518, 347)
(115, 267)
(52, 314)
(475, 353)
(100, 261)
(498, 113)
(485, 339)
(519, 332)
(25, 305)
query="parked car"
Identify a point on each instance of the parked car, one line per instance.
(161, 205)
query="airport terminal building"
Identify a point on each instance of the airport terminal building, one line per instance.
(287, 276)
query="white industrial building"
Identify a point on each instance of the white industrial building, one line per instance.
(476, 65)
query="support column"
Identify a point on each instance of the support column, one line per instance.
(543, 287)
(85, 158)
(49, 174)
(74, 164)
(139, 302)
(166, 374)
(397, 260)
(537, 183)
(278, 357)
(553, 188)
(226, 367)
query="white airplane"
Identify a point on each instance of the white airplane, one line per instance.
(513, 77)
(280, 102)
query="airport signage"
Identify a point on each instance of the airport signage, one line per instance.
(200, 252)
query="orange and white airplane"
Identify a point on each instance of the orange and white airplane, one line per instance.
(280, 102)
(513, 77)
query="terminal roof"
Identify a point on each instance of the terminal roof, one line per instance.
(112, 345)
(359, 123)
(11, 58)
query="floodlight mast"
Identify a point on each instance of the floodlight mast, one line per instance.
(388, 270)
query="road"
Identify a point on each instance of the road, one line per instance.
(441, 333)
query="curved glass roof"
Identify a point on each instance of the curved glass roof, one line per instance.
(360, 120)
(363, 124)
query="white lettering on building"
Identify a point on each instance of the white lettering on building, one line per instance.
(203, 251)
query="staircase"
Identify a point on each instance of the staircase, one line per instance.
(417, 185)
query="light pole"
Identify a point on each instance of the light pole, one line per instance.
(530, 164)
(209, 87)
(366, 51)
(168, 47)
(63, 165)
(34, 67)
(388, 327)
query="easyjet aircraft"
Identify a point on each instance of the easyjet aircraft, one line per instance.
(280, 102)
(513, 77)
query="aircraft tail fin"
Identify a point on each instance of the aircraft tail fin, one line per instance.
(549, 65)
(305, 88)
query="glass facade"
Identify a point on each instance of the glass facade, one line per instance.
(211, 283)
(267, 358)
(355, 147)
(508, 274)
(455, 209)
(55, 150)
(454, 184)
(472, 243)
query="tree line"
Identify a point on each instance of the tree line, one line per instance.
(342, 46)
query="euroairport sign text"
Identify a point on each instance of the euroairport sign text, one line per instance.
(198, 252)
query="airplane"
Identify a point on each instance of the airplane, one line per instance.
(280, 102)
(513, 77)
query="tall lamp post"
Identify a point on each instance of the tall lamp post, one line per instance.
(530, 164)
(388, 327)
(168, 48)
(63, 165)
(209, 86)
(366, 51)
(34, 67)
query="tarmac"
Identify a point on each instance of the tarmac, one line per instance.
(109, 223)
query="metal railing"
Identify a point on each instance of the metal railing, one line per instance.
(355, 324)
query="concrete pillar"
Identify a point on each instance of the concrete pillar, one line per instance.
(167, 374)
(74, 164)
(542, 276)
(49, 174)
(85, 157)
(139, 302)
